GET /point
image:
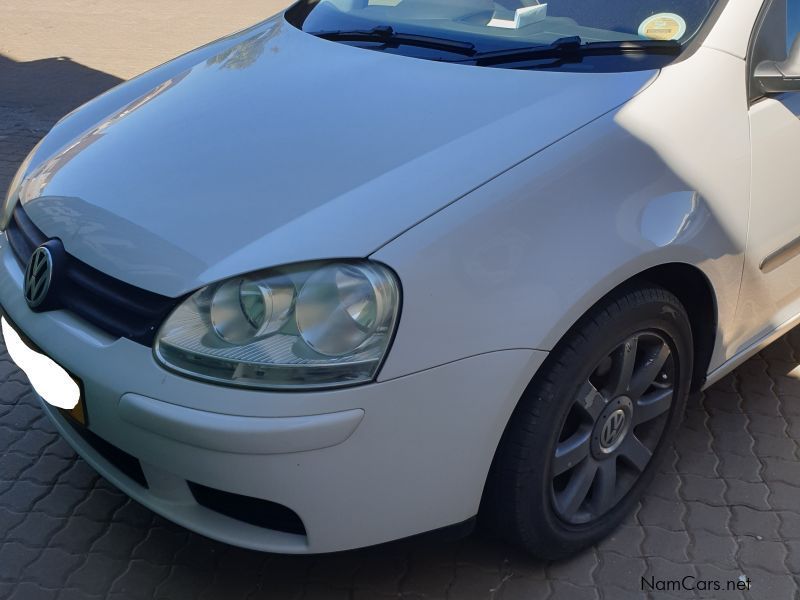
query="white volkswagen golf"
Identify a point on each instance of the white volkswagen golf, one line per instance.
(373, 268)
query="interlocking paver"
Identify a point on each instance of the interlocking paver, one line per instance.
(708, 490)
(734, 442)
(769, 585)
(714, 519)
(714, 573)
(184, 582)
(139, 580)
(78, 534)
(773, 446)
(119, 540)
(767, 555)
(789, 528)
(525, 589)
(563, 589)
(34, 530)
(384, 576)
(783, 496)
(474, 584)
(736, 466)
(665, 486)
(433, 579)
(578, 570)
(754, 523)
(670, 545)
(620, 571)
(713, 549)
(627, 540)
(161, 545)
(52, 568)
(752, 494)
(14, 557)
(32, 591)
(702, 464)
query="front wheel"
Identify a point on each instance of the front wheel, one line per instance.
(585, 438)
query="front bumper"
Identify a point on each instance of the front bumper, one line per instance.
(359, 466)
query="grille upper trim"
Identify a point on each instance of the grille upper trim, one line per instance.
(116, 307)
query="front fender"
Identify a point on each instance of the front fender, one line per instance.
(517, 262)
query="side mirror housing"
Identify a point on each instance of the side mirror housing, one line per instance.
(777, 77)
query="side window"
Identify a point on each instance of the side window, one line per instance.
(793, 19)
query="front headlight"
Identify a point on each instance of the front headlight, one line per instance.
(313, 325)
(12, 195)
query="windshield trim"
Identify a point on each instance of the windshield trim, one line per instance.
(297, 13)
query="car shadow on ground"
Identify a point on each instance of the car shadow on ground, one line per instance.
(36, 94)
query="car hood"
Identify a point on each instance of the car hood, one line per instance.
(273, 146)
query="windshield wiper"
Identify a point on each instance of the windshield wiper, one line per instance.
(573, 49)
(389, 38)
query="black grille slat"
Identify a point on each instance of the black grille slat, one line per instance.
(23, 235)
(111, 322)
(116, 307)
(111, 290)
(28, 229)
(21, 246)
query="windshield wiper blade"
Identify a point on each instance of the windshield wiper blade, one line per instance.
(573, 49)
(389, 38)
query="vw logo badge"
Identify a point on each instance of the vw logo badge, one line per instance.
(38, 276)
(612, 429)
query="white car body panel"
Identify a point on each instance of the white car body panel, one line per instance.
(732, 31)
(271, 195)
(507, 202)
(332, 484)
(770, 295)
(663, 198)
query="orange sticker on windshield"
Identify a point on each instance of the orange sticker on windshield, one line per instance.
(663, 26)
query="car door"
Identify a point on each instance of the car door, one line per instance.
(771, 282)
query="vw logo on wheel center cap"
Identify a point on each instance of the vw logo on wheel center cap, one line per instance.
(613, 429)
(38, 276)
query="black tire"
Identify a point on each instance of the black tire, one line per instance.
(526, 501)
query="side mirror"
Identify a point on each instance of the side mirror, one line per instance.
(774, 77)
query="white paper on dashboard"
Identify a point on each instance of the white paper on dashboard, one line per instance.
(522, 17)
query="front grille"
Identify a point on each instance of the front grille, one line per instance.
(253, 511)
(116, 307)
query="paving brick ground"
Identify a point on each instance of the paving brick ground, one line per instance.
(726, 502)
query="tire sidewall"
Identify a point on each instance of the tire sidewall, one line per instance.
(669, 319)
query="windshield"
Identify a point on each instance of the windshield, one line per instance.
(411, 27)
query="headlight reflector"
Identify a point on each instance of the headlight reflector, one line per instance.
(245, 309)
(306, 326)
(342, 306)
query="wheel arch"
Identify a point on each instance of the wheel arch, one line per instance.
(694, 290)
(696, 293)
(691, 286)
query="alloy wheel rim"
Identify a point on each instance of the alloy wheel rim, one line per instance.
(614, 424)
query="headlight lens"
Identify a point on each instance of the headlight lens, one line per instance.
(245, 309)
(313, 325)
(341, 307)
(12, 195)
